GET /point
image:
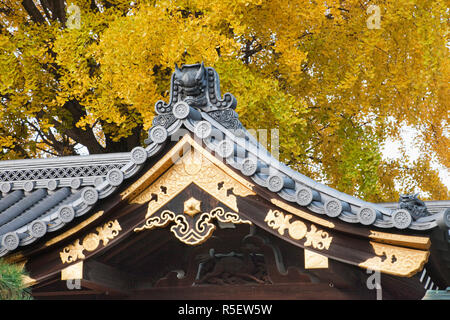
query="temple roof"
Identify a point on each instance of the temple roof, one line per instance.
(43, 195)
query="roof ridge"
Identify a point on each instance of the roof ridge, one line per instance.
(196, 102)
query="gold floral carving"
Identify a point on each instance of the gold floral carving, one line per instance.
(188, 229)
(298, 230)
(158, 221)
(90, 242)
(394, 260)
(302, 213)
(109, 231)
(193, 167)
(72, 252)
(318, 239)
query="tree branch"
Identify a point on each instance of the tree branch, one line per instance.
(33, 11)
(49, 152)
(60, 11)
(40, 134)
(48, 9)
(17, 147)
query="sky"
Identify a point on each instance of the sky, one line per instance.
(391, 150)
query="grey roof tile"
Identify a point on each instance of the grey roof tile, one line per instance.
(10, 199)
(19, 207)
(36, 211)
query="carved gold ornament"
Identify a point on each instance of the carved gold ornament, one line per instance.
(314, 260)
(188, 229)
(417, 242)
(194, 154)
(72, 272)
(318, 239)
(90, 242)
(302, 213)
(397, 261)
(192, 168)
(298, 230)
(192, 206)
(186, 163)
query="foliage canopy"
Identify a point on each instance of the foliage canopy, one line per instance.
(88, 72)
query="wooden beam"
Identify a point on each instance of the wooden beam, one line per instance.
(304, 291)
(66, 293)
(341, 276)
(150, 248)
(106, 279)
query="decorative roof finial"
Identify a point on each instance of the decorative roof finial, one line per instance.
(196, 86)
(414, 205)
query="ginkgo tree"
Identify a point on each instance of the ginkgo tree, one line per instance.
(336, 78)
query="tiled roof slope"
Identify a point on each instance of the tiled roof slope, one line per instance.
(43, 195)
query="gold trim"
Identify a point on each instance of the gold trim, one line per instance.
(403, 262)
(73, 272)
(156, 170)
(298, 230)
(403, 240)
(132, 193)
(193, 159)
(417, 242)
(193, 167)
(190, 230)
(90, 242)
(314, 260)
(75, 229)
(302, 214)
(174, 155)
